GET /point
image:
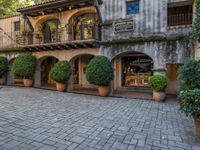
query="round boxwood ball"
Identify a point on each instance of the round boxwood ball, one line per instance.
(158, 83)
(3, 66)
(100, 71)
(189, 75)
(61, 72)
(24, 66)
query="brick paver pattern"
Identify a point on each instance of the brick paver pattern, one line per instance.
(50, 120)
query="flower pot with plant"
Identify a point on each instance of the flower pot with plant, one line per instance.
(159, 84)
(3, 69)
(189, 96)
(61, 73)
(190, 104)
(24, 67)
(100, 72)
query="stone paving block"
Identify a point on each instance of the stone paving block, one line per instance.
(47, 147)
(120, 146)
(77, 139)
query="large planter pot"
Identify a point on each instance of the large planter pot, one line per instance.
(104, 90)
(159, 96)
(28, 82)
(60, 87)
(197, 125)
(2, 80)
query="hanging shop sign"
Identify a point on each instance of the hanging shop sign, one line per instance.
(123, 26)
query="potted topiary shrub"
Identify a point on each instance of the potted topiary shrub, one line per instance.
(159, 84)
(24, 67)
(3, 69)
(61, 73)
(190, 104)
(100, 72)
(189, 97)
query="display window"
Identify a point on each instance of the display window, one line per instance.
(136, 70)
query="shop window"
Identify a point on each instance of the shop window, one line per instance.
(180, 15)
(132, 7)
(17, 26)
(136, 70)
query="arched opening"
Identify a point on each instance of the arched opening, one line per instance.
(47, 31)
(11, 79)
(78, 81)
(50, 30)
(84, 26)
(132, 71)
(46, 66)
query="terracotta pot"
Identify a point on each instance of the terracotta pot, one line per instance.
(104, 90)
(197, 125)
(159, 96)
(28, 82)
(60, 87)
(2, 80)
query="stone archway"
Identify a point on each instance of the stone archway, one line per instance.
(83, 25)
(44, 66)
(132, 71)
(47, 30)
(78, 79)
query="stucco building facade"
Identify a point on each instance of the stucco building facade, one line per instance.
(140, 37)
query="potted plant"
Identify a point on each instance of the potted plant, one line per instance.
(100, 72)
(190, 104)
(189, 96)
(159, 84)
(61, 73)
(24, 67)
(3, 69)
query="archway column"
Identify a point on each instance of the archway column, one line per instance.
(37, 76)
(10, 77)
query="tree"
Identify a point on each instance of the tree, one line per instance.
(8, 7)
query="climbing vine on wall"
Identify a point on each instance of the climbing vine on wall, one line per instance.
(195, 34)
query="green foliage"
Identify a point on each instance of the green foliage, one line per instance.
(3, 66)
(61, 72)
(100, 71)
(8, 7)
(24, 66)
(189, 75)
(158, 83)
(190, 102)
(195, 34)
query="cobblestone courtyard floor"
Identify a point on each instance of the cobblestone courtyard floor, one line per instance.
(48, 120)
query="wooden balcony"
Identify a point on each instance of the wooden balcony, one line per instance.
(64, 38)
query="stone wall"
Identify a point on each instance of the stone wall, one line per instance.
(151, 21)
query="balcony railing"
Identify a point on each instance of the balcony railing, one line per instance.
(20, 39)
(180, 19)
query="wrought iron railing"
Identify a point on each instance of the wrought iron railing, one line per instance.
(70, 33)
(180, 19)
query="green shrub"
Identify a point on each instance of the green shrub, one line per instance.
(100, 71)
(190, 102)
(158, 83)
(189, 75)
(24, 66)
(3, 66)
(61, 72)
